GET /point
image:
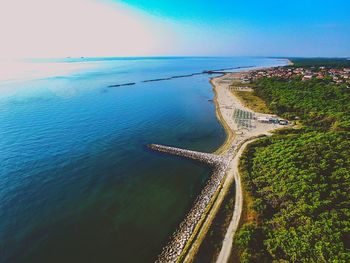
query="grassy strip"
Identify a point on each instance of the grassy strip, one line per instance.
(211, 244)
(251, 101)
(195, 242)
(238, 83)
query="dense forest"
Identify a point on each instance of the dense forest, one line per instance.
(320, 104)
(321, 62)
(301, 186)
(299, 179)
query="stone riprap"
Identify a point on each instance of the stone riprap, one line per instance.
(208, 158)
(173, 250)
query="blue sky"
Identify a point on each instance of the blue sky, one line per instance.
(60, 28)
(262, 27)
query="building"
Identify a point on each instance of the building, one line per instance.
(263, 119)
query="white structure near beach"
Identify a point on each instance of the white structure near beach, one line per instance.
(263, 119)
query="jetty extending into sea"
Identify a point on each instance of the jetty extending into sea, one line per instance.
(173, 250)
(185, 242)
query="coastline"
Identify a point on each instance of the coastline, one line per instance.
(231, 148)
(238, 146)
(229, 133)
(187, 239)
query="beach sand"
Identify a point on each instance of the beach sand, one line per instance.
(242, 127)
(238, 138)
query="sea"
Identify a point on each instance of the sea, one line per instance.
(77, 181)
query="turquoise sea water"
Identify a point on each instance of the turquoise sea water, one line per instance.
(77, 183)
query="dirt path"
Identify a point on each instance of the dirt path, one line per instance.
(228, 104)
(242, 127)
(226, 248)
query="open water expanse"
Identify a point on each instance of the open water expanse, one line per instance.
(77, 183)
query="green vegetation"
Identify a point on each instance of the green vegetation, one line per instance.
(300, 185)
(319, 104)
(250, 100)
(319, 62)
(299, 179)
(211, 244)
(238, 83)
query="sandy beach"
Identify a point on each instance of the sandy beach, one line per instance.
(228, 103)
(238, 137)
(242, 126)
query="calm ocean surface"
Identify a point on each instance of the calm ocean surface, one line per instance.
(77, 183)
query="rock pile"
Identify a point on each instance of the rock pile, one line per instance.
(174, 248)
(208, 158)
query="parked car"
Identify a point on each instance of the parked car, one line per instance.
(283, 122)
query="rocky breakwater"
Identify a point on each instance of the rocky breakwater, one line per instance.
(173, 250)
(209, 158)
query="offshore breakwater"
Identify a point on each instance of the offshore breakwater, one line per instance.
(121, 85)
(173, 250)
(209, 72)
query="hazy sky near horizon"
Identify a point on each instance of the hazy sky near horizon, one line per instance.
(60, 28)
